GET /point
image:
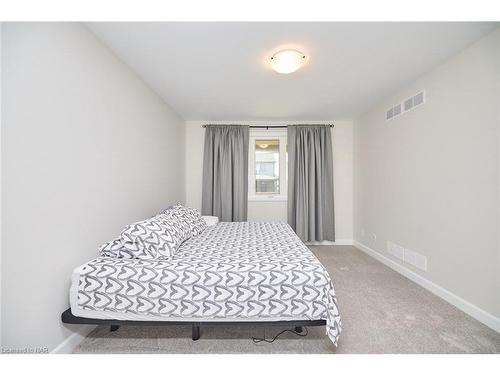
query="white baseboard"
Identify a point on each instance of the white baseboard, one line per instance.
(343, 242)
(72, 341)
(483, 316)
(337, 242)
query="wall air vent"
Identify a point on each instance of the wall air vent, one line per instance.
(418, 99)
(406, 105)
(397, 110)
(393, 112)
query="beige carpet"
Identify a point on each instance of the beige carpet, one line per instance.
(382, 312)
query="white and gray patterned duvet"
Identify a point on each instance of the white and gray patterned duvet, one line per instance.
(230, 272)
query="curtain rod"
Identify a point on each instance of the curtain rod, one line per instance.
(273, 127)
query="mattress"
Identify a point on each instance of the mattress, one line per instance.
(231, 272)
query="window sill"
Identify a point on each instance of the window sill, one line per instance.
(267, 198)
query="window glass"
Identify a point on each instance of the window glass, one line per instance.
(267, 166)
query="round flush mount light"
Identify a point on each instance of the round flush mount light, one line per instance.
(287, 61)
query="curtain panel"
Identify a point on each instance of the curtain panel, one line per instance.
(310, 182)
(225, 172)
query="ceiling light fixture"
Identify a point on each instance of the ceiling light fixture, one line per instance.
(287, 61)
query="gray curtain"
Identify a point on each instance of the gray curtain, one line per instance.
(310, 182)
(225, 172)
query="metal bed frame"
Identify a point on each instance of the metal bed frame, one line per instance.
(68, 317)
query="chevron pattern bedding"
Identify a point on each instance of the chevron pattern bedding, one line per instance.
(158, 236)
(229, 272)
(188, 215)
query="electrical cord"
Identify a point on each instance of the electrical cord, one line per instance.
(256, 340)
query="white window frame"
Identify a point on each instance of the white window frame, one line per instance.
(261, 134)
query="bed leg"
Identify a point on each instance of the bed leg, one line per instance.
(196, 332)
(298, 329)
(113, 328)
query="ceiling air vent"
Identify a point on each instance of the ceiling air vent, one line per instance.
(406, 105)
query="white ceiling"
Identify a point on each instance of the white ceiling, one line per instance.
(220, 71)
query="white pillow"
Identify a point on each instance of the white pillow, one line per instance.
(211, 220)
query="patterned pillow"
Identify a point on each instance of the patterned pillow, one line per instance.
(189, 216)
(198, 223)
(115, 249)
(159, 236)
(121, 248)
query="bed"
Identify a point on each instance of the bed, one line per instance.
(231, 273)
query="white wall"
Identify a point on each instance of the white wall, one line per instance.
(429, 179)
(342, 139)
(1, 127)
(86, 149)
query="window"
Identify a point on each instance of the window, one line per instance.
(267, 166)
(267, 169)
